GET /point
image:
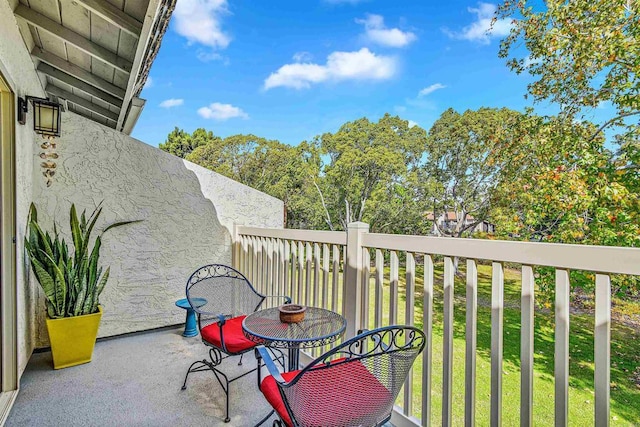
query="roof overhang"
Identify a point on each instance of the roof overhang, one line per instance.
(95, 55)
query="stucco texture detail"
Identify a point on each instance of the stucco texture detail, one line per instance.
(18, 69)
(237, 203)
(179, 204)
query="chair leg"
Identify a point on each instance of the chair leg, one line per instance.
(240, 362)
(259, 360)
(225, 388)
(262, 421)
(202, 365)
(223, 380)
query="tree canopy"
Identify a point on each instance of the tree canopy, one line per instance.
(368, 165)
(464, 166)
(581, 53)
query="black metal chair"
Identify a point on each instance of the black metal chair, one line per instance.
(222, 297)
(354, 384)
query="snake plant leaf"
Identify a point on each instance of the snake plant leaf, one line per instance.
(101, 284)
(59, 284)
(92, 223)
(93, 261)
(80, 299)
(42, 237)
(91, 297)
(76, 234)
(71, 280)
(50, 309)
(48, 286)
(33, 213)
(118, 224)
(83, 221)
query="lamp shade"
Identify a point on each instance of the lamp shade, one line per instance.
(46, 117)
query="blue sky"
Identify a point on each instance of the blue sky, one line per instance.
(290, 70)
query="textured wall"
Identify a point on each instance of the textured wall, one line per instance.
(237, 203)
(16, 66)
(180, 205)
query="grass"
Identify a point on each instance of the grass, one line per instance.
(625, 357)
(625, 352)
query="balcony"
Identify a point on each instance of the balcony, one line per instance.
(481, 345)
(491, 357)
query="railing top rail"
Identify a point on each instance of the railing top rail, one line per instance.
(601, 259)
(328, 237)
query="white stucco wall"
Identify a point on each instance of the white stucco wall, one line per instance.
(187, 211)
(18, 69)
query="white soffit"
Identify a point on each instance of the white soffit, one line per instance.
(95, 54)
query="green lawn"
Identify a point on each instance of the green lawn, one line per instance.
(625, 357)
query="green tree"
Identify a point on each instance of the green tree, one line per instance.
(277, 169)
(366, 164)
(581, 53)
(463, 166)
(181, 143)
(562, 186)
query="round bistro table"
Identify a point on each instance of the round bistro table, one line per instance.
(319, 327)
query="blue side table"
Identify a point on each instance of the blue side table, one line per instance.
(190, 327)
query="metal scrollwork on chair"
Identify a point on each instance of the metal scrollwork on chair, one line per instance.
(221, 298)
(355, 383)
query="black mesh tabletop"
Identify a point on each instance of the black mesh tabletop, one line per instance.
(318, 328)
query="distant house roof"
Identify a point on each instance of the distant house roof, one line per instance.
(451, 216)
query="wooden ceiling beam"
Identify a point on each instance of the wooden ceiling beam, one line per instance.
(70, 37)
(75, 99)
(112, 14)
(56, 74)
(77, 72)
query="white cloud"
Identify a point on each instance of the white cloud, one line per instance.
(205, 56)
(359, 65)
(148, 84)
(200, 22)
(429, 89)
(481, 30)
(302, 57)
(173, 102)
(376, 32)
(218, 111)
(412, 123)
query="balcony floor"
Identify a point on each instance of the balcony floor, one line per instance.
(135, 381)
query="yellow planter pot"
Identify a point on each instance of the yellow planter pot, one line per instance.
(73, 338)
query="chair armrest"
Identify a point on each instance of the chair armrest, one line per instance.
(270, 364)
(287, 300)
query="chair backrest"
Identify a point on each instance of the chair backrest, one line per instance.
(217, 289)
(357, 382)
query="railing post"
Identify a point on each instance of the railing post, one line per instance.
(235, 248)
(352, 287)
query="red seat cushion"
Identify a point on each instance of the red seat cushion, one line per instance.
(234, 339)
(336, 396)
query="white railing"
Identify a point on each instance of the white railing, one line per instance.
(345, 272)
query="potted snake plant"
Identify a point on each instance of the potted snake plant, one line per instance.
(72, 281)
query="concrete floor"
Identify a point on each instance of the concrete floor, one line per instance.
(135, 381)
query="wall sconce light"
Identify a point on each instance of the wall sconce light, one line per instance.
(46, 115)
